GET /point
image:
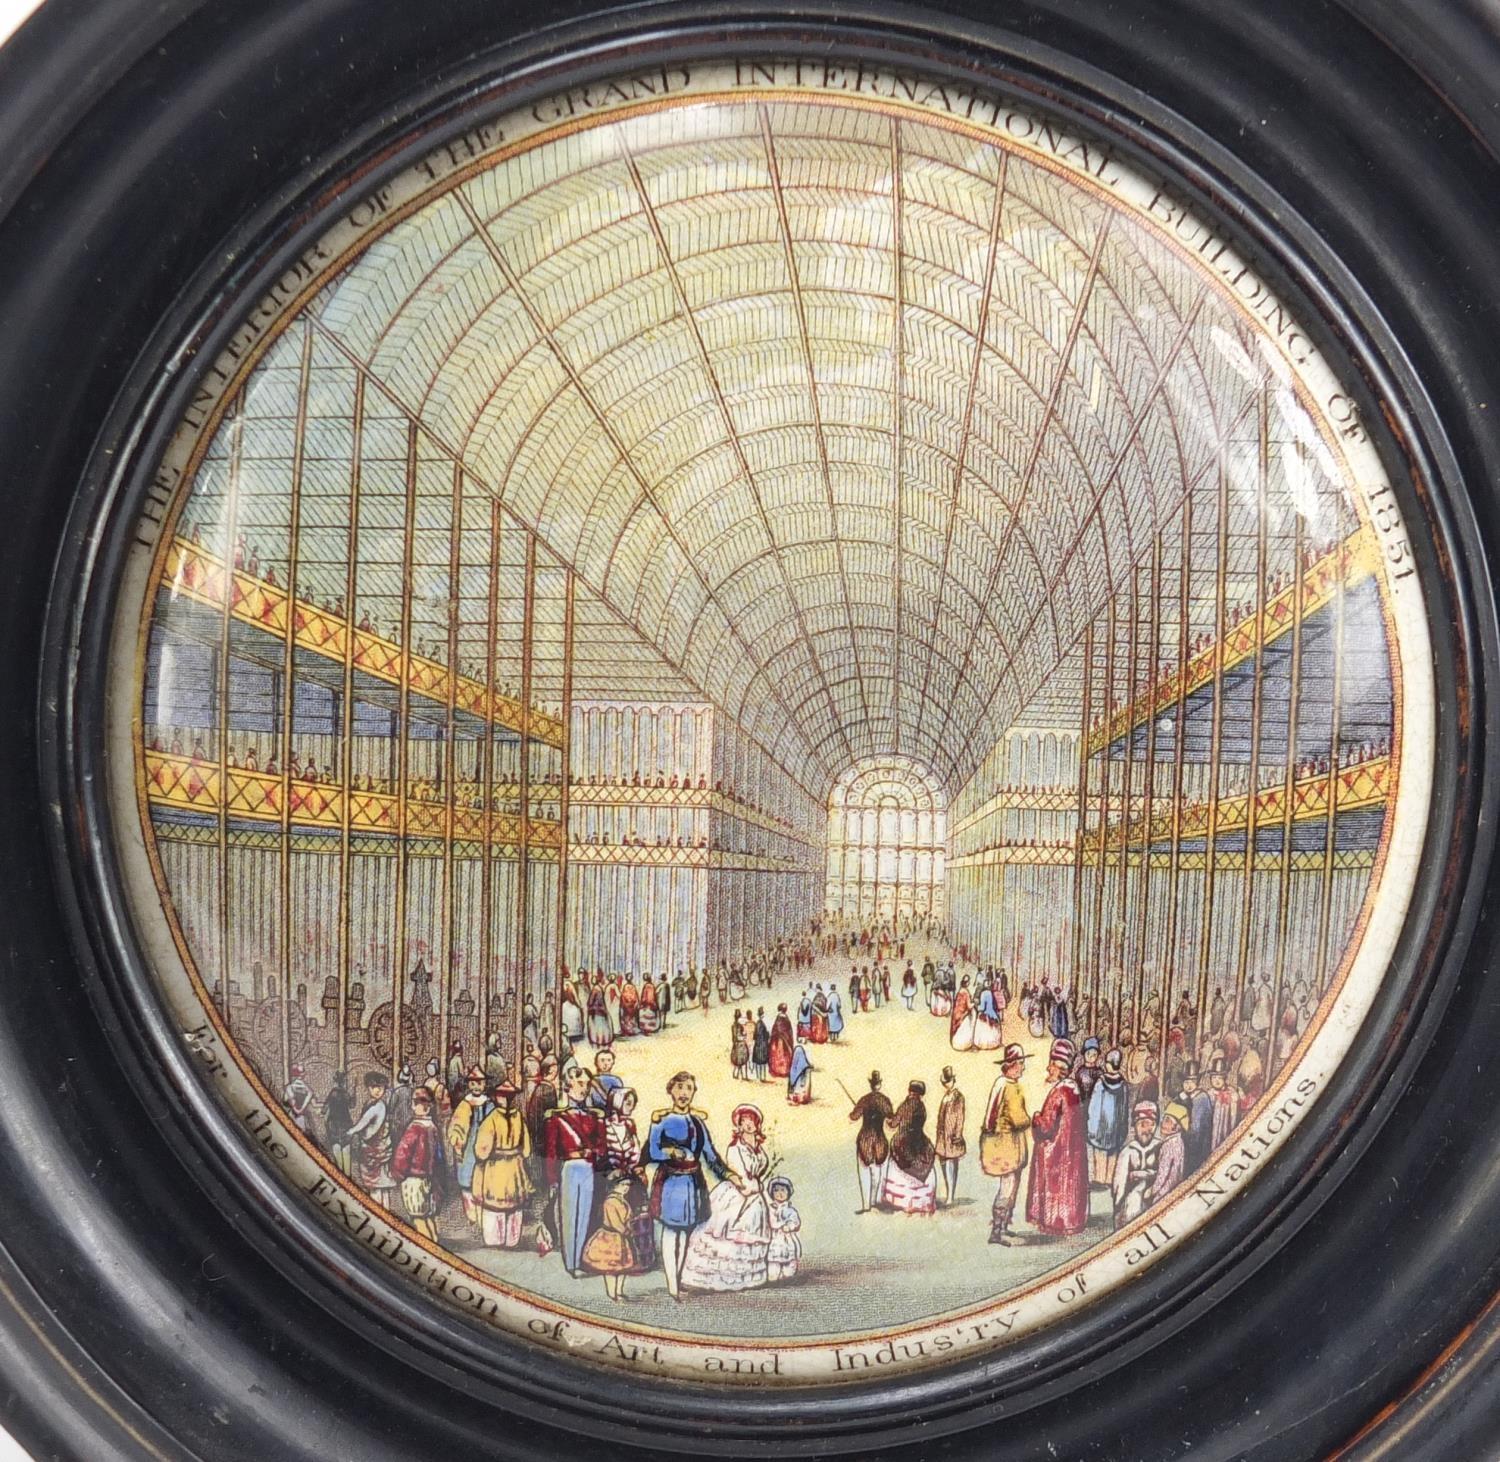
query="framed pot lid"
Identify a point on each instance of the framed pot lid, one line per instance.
(752, 734)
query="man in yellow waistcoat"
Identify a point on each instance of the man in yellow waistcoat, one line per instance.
(1003, 1148)
(500, 1184)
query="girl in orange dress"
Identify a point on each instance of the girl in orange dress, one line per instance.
(609, 1251)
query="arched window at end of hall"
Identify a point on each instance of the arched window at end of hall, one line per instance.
(889, 817)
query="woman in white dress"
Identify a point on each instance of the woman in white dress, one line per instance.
(940, 1002)
(571, 1013)
(730, 1251)
(612, 1005)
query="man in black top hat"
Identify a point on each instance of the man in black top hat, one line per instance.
(871, 1148)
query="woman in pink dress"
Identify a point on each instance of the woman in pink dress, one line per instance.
(819, 1031)
(630, 1003)
(648, 1016)
(910, 1178)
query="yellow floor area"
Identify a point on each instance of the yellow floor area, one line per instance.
(859, 1270)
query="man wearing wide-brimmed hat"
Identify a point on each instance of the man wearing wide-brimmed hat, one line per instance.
(1057, 1200)
(463, 1132)
(1002, 1141)
(1171, 1156)
(501, 1183)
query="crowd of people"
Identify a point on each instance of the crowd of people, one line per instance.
(563, 1158)
(556, 1153)
(561, 1155)
(1110, 1119)
(602, 1006)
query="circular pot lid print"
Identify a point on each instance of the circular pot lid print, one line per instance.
(770, 729)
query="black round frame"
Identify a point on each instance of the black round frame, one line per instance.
(155, 1314)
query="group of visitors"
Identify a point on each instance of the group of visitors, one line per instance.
(899, 1164)
(563, 1157)
(559, 1153)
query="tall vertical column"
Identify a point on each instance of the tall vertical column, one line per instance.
(346, 727)
(522, 941)
(1096, 975)
(1179, 736)
(450, 766)
(1215, 753)
(487, 790)
(1083, 807)
(403, 760)
(231, 534)
(1148, 798)
(1331, 793)
(1257, 694)
(1288, 791)
(564, 803)
(289, 699)
(1127, 956)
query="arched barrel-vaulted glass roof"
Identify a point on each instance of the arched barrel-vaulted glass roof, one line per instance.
(855, 421)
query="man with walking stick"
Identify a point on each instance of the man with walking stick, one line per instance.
(871, 1148)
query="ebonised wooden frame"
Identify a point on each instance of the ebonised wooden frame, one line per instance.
(159, 1297)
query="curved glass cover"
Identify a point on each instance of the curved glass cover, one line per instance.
(774, 722)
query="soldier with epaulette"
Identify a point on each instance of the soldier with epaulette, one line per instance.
(680, 1146)
(574, 1149)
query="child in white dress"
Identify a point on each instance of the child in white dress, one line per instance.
(786, 1245)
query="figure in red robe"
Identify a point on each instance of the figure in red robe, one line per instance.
(962, 1003)
(648, 1015)
(630, 1000)
(1057, 1201)
(819, 1031)
(782, 1043)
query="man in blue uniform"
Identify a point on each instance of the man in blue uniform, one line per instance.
(680, 1146)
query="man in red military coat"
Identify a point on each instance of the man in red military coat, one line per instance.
(573, 1147)
(1058, 1200)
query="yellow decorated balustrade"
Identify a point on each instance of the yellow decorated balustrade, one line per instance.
(589, 794)
(1347, 564)
(186, 784)
(1359, 785)
(1012, 855)
(199, 575)
(1033, 799)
